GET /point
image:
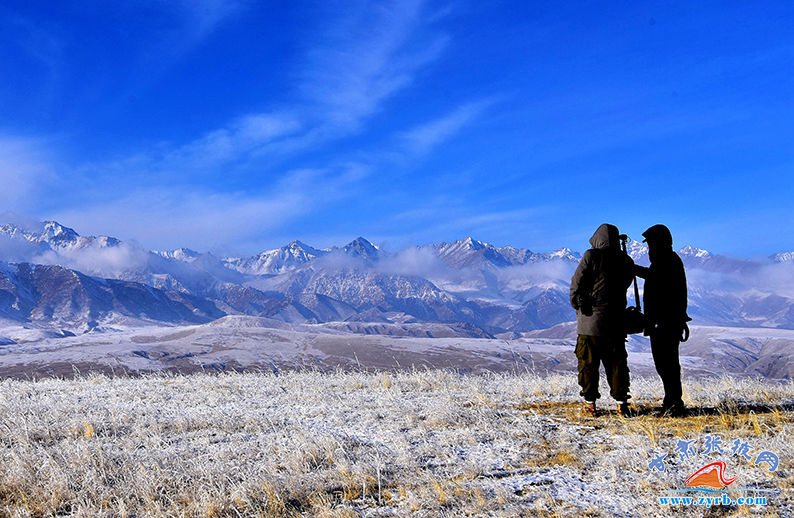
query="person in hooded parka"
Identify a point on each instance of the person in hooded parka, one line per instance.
(665, 300)
(598, 294)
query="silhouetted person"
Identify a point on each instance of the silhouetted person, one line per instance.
(665, 298)
(598, 294)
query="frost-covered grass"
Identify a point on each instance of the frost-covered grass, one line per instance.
(426, 443)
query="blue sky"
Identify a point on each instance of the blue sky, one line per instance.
(239, 126)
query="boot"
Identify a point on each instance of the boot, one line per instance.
(589, 409)
(674, 410)
(625, 409)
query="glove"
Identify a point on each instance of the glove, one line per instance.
(583, 303)
(685, 331)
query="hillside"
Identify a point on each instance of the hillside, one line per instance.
(422, 443)
(257, 343)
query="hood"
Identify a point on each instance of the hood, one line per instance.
(606, 236)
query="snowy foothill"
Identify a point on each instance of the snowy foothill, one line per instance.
(246, 343)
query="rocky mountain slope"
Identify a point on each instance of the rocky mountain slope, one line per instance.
(86, 280)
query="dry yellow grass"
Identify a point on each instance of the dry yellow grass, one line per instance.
(430, 443)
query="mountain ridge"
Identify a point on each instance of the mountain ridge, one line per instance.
(495, 289)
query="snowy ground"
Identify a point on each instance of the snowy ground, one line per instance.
(422, 443)
(251, 343)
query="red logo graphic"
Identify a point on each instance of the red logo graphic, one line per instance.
(710, 475)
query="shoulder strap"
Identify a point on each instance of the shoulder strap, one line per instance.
(623, 239)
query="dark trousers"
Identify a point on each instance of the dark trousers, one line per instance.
(664, 346)
(591, 351)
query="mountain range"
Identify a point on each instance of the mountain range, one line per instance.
(50, 276)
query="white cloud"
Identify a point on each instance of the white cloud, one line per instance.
(238, 140)
(355, 63)
(428, 135)
(775, 278)
(444, 216)
(16, 250)
(366, 56)
(108, 262)
(192, 21)
(362, 57)
(25, 172)
(183, 216)
(176, 218)
(488, 219)
(421, 261)
(205, 15)
(533, 274)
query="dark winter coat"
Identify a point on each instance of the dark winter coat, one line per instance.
(665, 293)
(598, 287)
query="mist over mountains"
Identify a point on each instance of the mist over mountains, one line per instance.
(52, 276)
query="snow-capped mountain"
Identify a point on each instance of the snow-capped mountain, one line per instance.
(691, 251)
(58, 236)
(277, 260)
(637, 251)
(363, 249)
(562, 254)
(185, 255)
(783, 257)
(471, 253)
(55, 236)
(491, 289)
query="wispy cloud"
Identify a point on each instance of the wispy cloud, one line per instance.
(191, 22)
(201, 220)
(205, 220)
(97, 260)
(238, 140)
(497, 217)
(25, 172)
(34, 40)
(458, 216)
(359, 58)
(430, 134)
(203, 16)
(353, 64)
(365, 56)
(448, 218)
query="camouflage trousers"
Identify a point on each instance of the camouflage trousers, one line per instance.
(592, 351)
